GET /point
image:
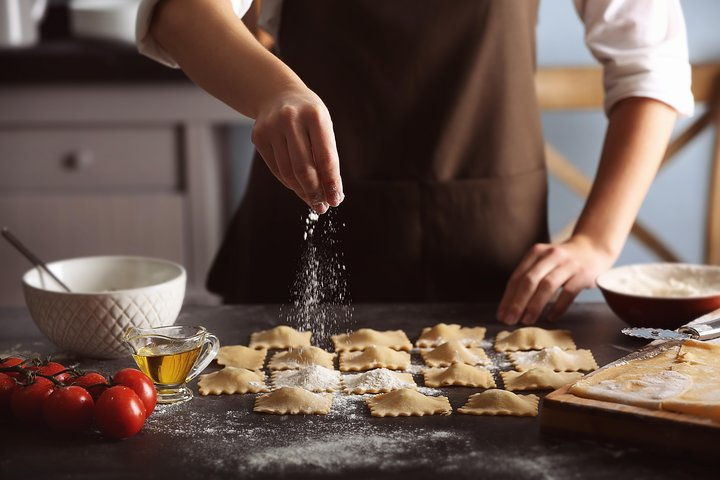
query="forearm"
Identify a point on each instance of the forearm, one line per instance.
(219, 53)
(637, 136)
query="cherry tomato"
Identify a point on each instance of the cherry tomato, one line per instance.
(93, 382)
(141, 385)
(11, 362)
(69, 409)
(26, 402)
(7, 387)
(119, 413)
(53, 369)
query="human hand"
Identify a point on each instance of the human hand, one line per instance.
(548, 271)
(293, 133)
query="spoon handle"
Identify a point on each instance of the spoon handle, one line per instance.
(30, 256)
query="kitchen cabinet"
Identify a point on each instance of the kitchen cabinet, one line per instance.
(102, 167)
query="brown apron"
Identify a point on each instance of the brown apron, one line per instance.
(440, 144)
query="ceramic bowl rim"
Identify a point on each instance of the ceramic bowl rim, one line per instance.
(179, 275)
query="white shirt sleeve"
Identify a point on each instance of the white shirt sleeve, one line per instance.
(642, 46)
(145, 42)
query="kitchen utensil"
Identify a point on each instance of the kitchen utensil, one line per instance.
(661, 295)
(704, 328)
(19, 21)
(171, 357)
(30, 256)
(109, 294)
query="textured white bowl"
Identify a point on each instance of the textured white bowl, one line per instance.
(108, 295)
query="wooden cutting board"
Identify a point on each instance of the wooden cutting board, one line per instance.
(562, 412)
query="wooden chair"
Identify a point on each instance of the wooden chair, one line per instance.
(581, 89)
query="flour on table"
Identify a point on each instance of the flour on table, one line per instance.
(314, 378)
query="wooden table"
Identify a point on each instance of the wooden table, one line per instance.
(220, 437)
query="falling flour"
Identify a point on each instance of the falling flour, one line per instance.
(320, 302)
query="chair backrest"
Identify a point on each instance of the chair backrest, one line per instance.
(580, 88)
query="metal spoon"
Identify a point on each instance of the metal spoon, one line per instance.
(30, 256)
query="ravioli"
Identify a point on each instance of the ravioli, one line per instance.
(280, 337)
(407, 403)
(232, 380)
(501, 402)
(442, 332)
(533, 338)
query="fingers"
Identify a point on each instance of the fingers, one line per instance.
(296, 141)
(547, 279)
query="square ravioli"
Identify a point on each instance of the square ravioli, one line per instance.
(459, 374)
(366, 337)
(454, 352)
(240, 356)
(379, 380)
(533, 338)
(315, 378)
(442, 332)
(554, 358)
(293, 401)
(538, 379)
(232, 380)
(280, 337)
(374, 357)
(407, 403)
(501, 402)
(299, 357)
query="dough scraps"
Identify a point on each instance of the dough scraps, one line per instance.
(365, 337)
(315, 378)
(459, 374)
(533, 338)
(442, 332)
(664, 381)
(231, 380)
(379, 380)
(301, 357)
(555, 358)
(280, 337)
(407, 403)
(293, 401)
(374, 357)
(454, 352)
(538, 379)
(241, 356)
(501, 402)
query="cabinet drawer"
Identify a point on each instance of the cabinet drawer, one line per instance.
(91, 158)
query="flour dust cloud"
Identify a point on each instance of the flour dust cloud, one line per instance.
(319, 296)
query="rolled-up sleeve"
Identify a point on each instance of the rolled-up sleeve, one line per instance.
(144, 40)
(642, 46)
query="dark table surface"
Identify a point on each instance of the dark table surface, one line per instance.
(220, 436)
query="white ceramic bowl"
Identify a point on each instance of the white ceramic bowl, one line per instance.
(104, 19)
(108, 294)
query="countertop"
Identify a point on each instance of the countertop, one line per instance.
(220, 436)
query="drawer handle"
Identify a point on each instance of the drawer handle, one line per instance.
(79, 160)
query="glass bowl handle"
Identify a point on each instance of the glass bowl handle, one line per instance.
(210, 349)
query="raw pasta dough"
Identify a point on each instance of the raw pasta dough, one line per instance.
(231, 380)
(280, 337)
(378, 380)
(501, 402)
(459, 374)
(406, 403)
(293, 401)
(442, 332)
(682, 378)
(301, 357)
(374, 357)
(365, 337)
(555, 358)
(241, 357)
(314, 378)
(454, 352)
(533, 338)
(538, 379)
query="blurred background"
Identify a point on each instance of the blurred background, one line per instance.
(105, 152)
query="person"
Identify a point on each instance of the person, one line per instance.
(425, 114)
